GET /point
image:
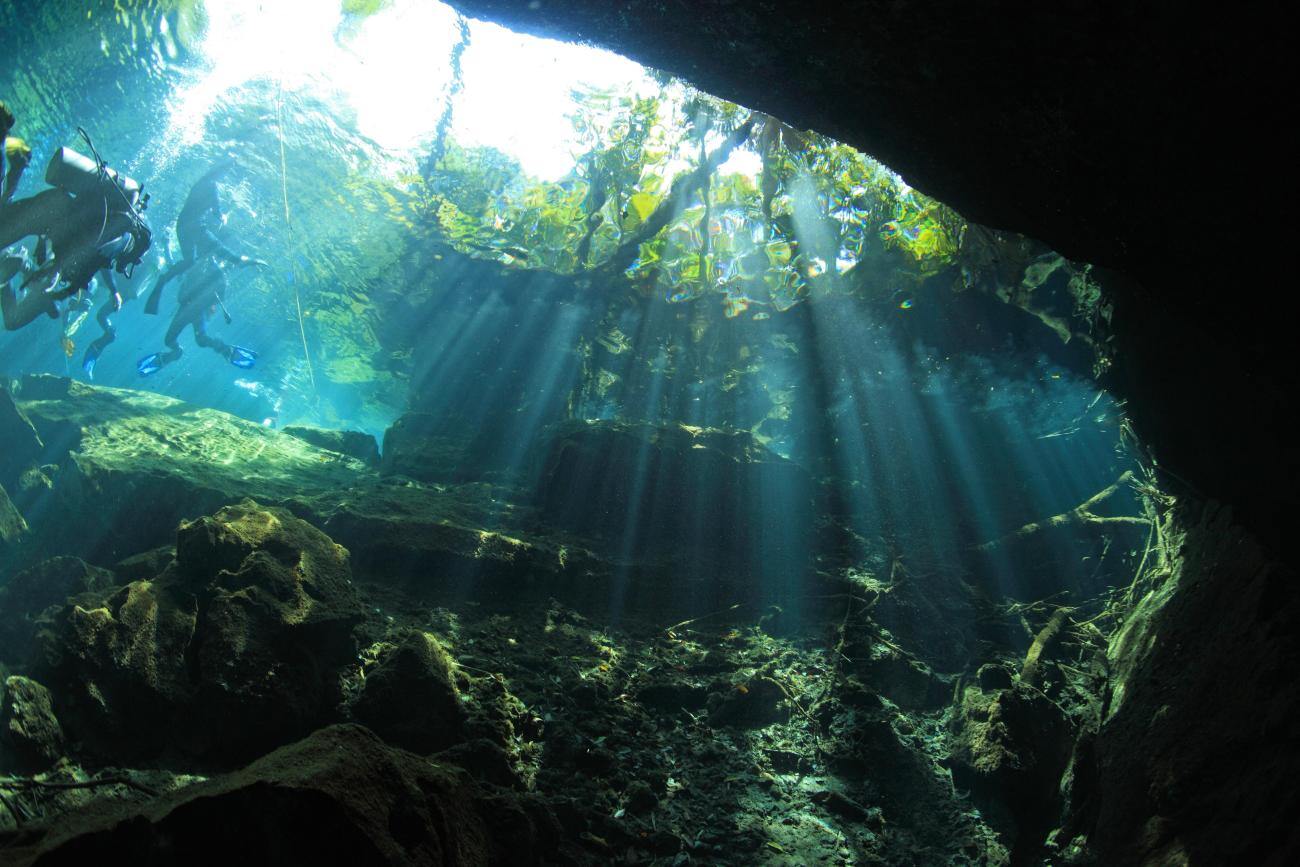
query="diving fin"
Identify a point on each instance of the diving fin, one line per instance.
(88, 364)
(241, 357)
(150, 364)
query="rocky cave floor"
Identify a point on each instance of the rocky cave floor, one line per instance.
(454, 690)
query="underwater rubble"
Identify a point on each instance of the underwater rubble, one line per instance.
(348, 662)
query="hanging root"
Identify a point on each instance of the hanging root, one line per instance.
(1046, 636)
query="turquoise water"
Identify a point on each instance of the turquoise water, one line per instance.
(573, 301)
(443, 240)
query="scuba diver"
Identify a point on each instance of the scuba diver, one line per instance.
(91, 219)
(202, 294)
(200, 216)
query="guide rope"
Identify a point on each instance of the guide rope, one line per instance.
(288, 222)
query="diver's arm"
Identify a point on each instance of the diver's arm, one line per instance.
(221, 251)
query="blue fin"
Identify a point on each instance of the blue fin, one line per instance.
(88, 364)
(241, 357)
(149, 364)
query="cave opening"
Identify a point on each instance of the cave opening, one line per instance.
(591, 468)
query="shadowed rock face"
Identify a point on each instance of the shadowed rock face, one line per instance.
(341, 796)
(32, 591)
(354, 444)
(1105, 132)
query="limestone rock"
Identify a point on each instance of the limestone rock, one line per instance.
(410, 699)
(340, 796)
(22, 446)
(131, 465)
(354, 444)
(431, 448)
(30, 592)
(232, 650)
(902, 679)
(28, 727)
(1010, 751)
(12, 527)
(406, 532)
(141, 567)
(134, 464)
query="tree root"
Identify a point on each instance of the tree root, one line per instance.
(1080, 515)
(1044, 639)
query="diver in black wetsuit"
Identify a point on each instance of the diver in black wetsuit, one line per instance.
(112, 304)
(91, 220)
(203, 293)
(200, 216)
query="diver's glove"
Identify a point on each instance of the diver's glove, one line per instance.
(242, 358)
(150, 364)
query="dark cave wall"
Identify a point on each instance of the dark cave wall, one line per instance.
(1142, 138)
(1196, 760)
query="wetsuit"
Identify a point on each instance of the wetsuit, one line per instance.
(203, 292)
(86, 234)
(195, 234)
(110, 306)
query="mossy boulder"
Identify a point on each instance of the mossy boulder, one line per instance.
(234, 649)
(31, 739)
(410, 698)
(1010, 749)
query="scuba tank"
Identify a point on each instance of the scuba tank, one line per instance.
(124, 197)
(82, 176)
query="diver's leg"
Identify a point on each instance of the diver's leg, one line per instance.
(172, 338)
(170, 273)
(155, 362)
(18, 312)
(202, 338)
(96, 348)
(236, 355)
